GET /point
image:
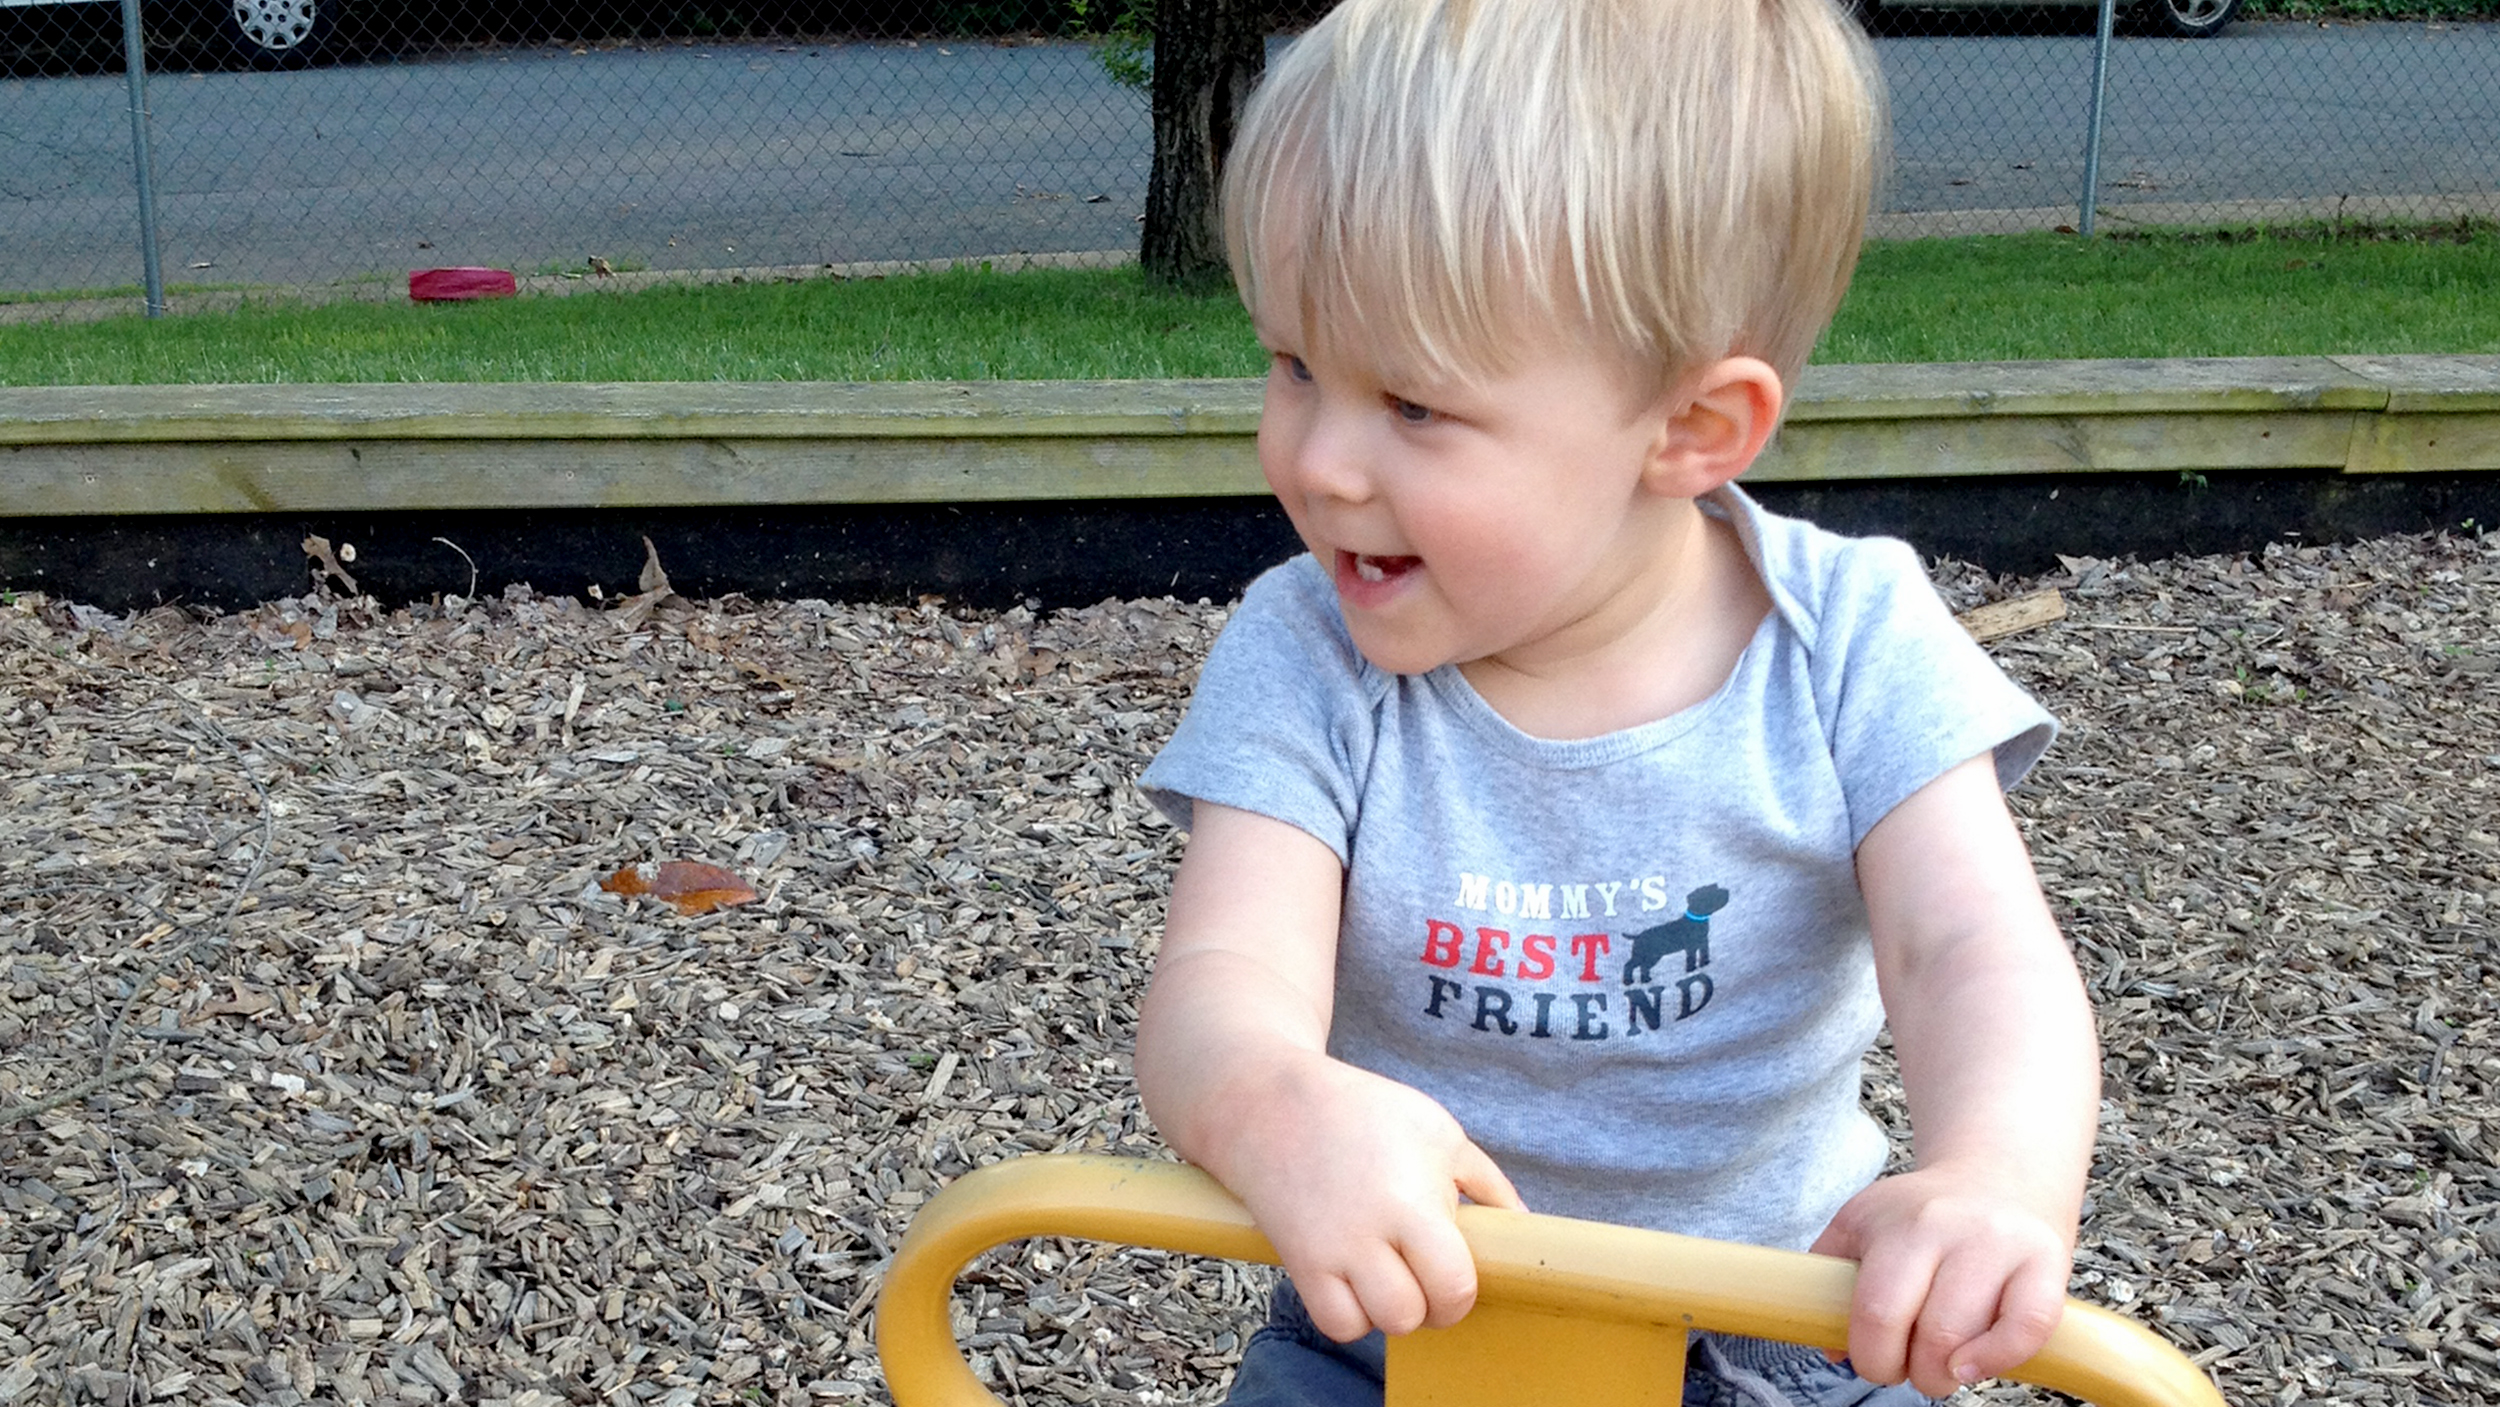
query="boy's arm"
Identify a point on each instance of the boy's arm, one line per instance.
(1964, 1260)
(1355, 1178)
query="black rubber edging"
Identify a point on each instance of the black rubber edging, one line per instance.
(1077, 553)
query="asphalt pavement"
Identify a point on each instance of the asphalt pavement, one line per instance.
(683, 156)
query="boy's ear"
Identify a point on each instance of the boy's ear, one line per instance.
(1718, 419)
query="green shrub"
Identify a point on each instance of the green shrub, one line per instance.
(1126, 45)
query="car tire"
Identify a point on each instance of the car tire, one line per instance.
(2184, 19)
(277, 33)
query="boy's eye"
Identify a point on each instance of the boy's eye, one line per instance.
(1409, 411)
(1293, 367)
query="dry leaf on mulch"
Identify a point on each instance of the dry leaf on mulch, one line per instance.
(691, 887)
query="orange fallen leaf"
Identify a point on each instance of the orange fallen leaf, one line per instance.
(694, 888)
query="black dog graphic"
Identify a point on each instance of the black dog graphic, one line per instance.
(1689, 935)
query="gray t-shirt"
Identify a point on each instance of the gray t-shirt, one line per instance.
(1635, 967)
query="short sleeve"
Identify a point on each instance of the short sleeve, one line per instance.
(1906, 694)
(1282, 722)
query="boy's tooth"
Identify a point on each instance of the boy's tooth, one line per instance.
(1369, 570)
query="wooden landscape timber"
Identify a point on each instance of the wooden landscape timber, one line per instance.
(1059, 493)
(416, 446)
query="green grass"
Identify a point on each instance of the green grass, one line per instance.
(963, 324)
(2303, 291)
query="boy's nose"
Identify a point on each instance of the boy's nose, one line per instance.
(1328, 461)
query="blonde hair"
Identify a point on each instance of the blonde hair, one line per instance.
(1680, 179)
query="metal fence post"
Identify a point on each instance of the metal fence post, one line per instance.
(135, 61)
(2092, 129)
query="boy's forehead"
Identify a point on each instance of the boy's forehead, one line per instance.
(1342, 335)
(1275, 325)
(1350, 340)
(1284, 320)
(1408, 320)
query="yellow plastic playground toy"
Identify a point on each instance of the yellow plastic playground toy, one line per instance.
(1603, 1308)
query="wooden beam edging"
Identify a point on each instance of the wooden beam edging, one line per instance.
(105, 450)
(2348, 414)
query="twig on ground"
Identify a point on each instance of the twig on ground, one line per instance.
(465, 557)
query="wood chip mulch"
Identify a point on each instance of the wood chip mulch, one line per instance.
(329, 1071)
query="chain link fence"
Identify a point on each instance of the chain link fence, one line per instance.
(2266, 118)
(331, 146)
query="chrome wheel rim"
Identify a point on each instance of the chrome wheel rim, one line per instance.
(275, 25)
(2197, 14)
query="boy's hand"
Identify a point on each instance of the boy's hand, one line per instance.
(1357, 1181)
(1355, 1178)
(1962, 1264)
(1958, 1279)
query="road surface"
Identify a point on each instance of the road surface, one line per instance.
(752, 154)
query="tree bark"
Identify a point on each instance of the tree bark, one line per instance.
(1208, 55)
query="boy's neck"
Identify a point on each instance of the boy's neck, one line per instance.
(1667, 640)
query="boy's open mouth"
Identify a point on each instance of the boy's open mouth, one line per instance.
(1370, 568)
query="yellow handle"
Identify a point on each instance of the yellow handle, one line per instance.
(1574, 1268)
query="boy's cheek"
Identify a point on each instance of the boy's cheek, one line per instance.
(1275, 462)
(1301, 529)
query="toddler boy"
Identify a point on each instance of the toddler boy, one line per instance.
(1564, 826)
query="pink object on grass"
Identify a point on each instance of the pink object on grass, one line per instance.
(455, 285)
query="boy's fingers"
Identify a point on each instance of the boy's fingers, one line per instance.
(1484, 1183)
(1840, 1238)
(1445, 1272)
(2033, 1302)
(1392, 1301)
(1333, 1306)
(1884, 1310)
(1961, 1303)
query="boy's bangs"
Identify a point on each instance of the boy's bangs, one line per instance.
(1423, 266)
(1439, 181)
(1417, 315)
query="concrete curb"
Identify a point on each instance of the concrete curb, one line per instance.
(393, 288)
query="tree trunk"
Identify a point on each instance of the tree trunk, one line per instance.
(1208, 55)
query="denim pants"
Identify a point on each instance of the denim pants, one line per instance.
(1290, 1363)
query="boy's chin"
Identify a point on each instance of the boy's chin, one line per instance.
(1390, 653)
